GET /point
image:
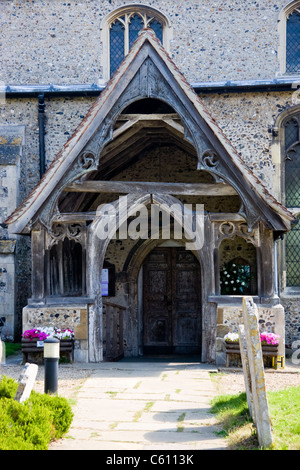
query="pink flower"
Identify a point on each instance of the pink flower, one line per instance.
(269, 338)
(34, 334)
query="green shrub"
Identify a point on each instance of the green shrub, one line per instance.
(8, 387)
(33, 424)
(61, 412)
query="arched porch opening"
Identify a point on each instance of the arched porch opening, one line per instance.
(128, 275)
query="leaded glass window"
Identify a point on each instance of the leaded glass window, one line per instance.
(116, 45)
(125, 29)
(292, 256)
(293, 42)
(292, 197)
(292, 162)
(135, 25)
(157, 28)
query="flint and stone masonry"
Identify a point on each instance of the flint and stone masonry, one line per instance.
(46, 42)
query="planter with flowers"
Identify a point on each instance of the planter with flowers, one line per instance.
(33, 343)
(269, 344)
(232, 342)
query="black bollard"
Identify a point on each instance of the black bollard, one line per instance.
(51, 357)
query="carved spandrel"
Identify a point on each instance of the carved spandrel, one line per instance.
(87, 161)
(209, 161)
(231, 229)
(59, 232)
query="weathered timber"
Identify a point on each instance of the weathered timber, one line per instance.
(114, 318)
(150, 120)
(171, 324)
(130, 187)
(83, 216)
(38, 264)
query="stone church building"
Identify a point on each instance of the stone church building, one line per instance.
(150, 172)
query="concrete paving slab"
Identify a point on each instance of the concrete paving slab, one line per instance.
(144, 406)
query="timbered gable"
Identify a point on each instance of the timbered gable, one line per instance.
(108, 140)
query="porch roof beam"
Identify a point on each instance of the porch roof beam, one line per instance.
(75, 217)
(131, 187)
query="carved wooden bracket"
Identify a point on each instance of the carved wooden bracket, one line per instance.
(72, 231)
(231, 229)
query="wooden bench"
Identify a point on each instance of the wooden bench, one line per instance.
(32, 352)
(268, 351)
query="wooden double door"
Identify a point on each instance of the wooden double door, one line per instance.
(171, 302)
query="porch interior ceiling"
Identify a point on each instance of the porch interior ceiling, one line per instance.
(134, 136)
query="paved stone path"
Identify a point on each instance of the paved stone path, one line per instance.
(144, 406)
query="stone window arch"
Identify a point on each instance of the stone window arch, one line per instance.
(289, 33)
(121, 28)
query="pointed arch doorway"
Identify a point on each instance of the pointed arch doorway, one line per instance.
(171, 302)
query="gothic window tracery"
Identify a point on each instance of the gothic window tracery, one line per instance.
(124, 27)
(66, 260)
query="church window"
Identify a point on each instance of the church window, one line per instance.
(293, 42)
(292, 197)
(292, 162)
(289, 34)
(121, 29)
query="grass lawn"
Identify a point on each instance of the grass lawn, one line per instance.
(285, 412)
(232, 412)
(12, 348)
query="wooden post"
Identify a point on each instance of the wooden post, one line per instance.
(256, 368)
(38, 264)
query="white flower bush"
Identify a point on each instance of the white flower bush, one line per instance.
(231, 337)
